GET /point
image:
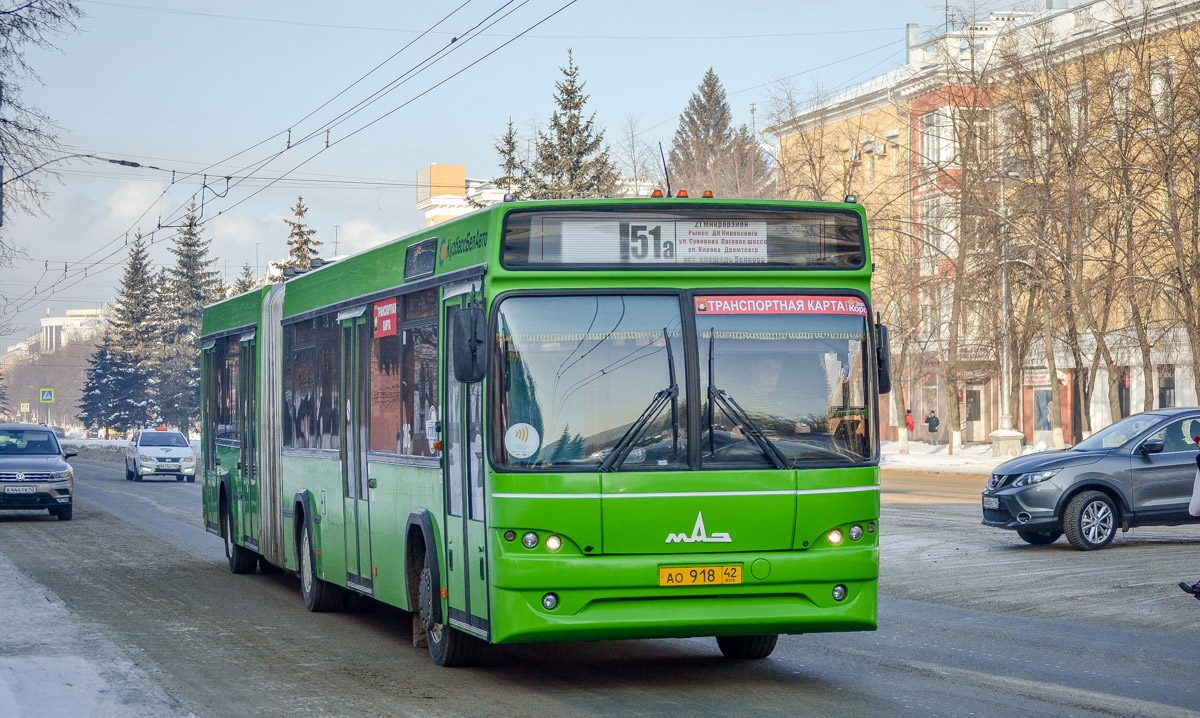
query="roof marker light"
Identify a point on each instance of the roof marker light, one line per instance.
(707, 194)
(656, 193)
(682, 194)
(851, 199)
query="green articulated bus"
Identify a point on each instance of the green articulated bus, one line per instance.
(564, 420)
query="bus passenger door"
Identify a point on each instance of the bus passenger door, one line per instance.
(248, 516)
(465, 521)
(355, 356)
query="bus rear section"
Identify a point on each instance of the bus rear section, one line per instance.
(682, 463)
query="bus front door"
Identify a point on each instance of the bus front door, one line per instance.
(355, 358)
(249, 519)
(466, 518)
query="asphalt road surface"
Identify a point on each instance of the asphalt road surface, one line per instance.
(972, 622)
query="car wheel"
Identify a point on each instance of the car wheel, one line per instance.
(448, 646)
(191, 479)
(241, 559)
(1090, 521)
(137, 475)
(128, 473)
(1040, 538)
(319, 596)
(64, 514)
(747, 647)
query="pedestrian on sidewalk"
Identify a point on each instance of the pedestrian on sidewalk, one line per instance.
(1194, 510)
(933, 423)
(908, 422)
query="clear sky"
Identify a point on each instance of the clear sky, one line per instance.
(184, 85)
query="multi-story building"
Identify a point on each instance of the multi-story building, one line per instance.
(1026, 177)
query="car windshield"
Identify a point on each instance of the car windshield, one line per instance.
(27, 442)
(1110, 437)
(584, 377)
(163, 438)
(782, 376)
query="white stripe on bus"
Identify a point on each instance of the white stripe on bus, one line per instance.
(689, 494)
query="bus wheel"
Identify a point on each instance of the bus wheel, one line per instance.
(241, 560)
(747, 647)
(447, 646)
(319, 596)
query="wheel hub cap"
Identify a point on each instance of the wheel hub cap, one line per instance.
(1097, 522)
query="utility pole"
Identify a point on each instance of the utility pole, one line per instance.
(335, 230)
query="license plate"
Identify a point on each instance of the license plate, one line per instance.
(699, 575)
(991, 502)
(20, 489)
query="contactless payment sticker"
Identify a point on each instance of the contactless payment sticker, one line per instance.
(522, 441)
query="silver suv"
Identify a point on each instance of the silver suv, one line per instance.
(159, 452)
(34, 473)
(1136, 472)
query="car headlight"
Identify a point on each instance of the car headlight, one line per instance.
(60, 474)
(1035, 477)
(188, 460)
(143, 457)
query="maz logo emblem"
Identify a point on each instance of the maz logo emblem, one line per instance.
(699, 534)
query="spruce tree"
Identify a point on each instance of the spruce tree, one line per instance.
(709, 153)
(97, 402)
(572, 159)
(189, 285)
(512, 181)
(133, 339)
(302, 248)
(244, 282)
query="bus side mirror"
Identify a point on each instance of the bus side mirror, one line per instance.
(469, 341)
(883, 358)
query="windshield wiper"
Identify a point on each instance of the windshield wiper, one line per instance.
(736, 414)
(625, 444)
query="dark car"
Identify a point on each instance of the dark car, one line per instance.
(1136, 472)
(34, 473)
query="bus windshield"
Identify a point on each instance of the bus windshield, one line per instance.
(782, 377)
(599, 382)
(577, 373)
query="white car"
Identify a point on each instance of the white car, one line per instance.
(159, 452)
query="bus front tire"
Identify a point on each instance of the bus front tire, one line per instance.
(747, 647)
(241, 560)
(448, 647)
(319, 596)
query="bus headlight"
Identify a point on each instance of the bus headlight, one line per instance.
(550, 601)
(839, 593)
(529, 540)
(553, 543)
(835, 537)
(855, 532)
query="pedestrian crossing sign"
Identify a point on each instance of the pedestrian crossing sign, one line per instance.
(47, 396)
(24, 407)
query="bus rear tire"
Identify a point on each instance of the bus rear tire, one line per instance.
(448, 647)
(747, 647)
(241, 560)
(319, 596)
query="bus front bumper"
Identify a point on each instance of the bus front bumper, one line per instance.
(796, 595)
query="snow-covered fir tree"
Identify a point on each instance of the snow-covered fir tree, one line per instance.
(134, 338)
(572, 159)
(96, 405)
(244, 282)
(302, 248)
(187, 287)
(708, 152)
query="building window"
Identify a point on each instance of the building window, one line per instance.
(1120, 92)
(1162, 85)
(937, 138)
(1077, 112)
(1039, 120)
(1166, 386)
